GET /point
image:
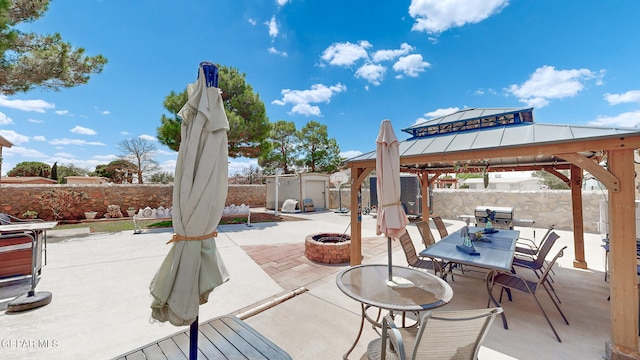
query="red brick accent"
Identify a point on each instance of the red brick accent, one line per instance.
(326, 252)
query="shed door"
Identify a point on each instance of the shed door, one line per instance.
(314, 190)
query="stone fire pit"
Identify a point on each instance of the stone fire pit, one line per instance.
(328, 248)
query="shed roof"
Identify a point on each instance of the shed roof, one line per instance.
(4, 142)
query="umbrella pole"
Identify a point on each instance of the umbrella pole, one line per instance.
(389, 255)
(193, 340)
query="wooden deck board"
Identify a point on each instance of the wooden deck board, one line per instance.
(225, 337)
(171, 350)
(153, 352)
(213, 334)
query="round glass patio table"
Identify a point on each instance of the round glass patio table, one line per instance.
(367, 284)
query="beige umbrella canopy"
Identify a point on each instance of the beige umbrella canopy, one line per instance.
(193, 267)
(391, 219)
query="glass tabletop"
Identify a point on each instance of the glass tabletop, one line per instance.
(368, 285)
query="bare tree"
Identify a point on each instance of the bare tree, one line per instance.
(140, 151)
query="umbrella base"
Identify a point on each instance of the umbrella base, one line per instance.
(29, 301)
(399, 282)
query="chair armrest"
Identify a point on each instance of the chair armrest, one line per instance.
(390, 329)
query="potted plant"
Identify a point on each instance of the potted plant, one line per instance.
(89, 214)
(131, 211)
(30, 214)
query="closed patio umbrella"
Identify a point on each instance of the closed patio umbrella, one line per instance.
(193, 267)
(391, 219)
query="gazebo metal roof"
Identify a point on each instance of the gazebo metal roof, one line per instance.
(509, 133)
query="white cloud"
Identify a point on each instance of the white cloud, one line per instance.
(168, 166)
(82, 130)
(4, 119)
(108, 158)
(124, 133)
(62, 112)
(282, 2)
(251, 21)
(106, 112)
(441, 112)
(437, 16)
(301, 99)
(547, 83)
(306, 110)
(148, 137)
(66, 141)
(165, 152)
(373, 73)
(14, 137)
(345, 54)
(238, 167)
(411, 65)
(23, 152)
(350, 154)
(26, 105)
(273, 27)
(39, 138)
(627, 119)
(64, 155)
(35, 121)
(383, 55)
(436, 113)
(632, 96)
(273, 50)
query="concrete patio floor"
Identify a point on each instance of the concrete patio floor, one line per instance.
(100, 307)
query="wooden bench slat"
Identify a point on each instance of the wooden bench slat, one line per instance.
(138, 355)
(254, 339)
(154, 352)
(171, 350)
(182, 341)
(217, 340)
(225, 337)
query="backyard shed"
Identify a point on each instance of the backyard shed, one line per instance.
(298, 187)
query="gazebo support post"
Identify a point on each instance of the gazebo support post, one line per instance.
(624, 279)
(578, 224)
(424, 188)
(357, 177)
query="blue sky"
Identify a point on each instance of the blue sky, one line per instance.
(346, 64)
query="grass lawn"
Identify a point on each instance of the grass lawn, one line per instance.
(110, 225)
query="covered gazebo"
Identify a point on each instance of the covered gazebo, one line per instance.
(507, 139)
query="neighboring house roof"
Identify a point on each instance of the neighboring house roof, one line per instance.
(4, 142)
(26, 180)
(86, 179)
(502, 180)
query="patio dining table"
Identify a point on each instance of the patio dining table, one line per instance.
(495, 251)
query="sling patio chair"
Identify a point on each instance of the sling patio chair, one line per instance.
(528, 247)
(412, 257)
(425, 232)
(439, 335)
(538, 262)
(442, 229)
(508, 281)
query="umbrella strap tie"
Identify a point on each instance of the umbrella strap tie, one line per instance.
(392, 204)
(177, 237)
